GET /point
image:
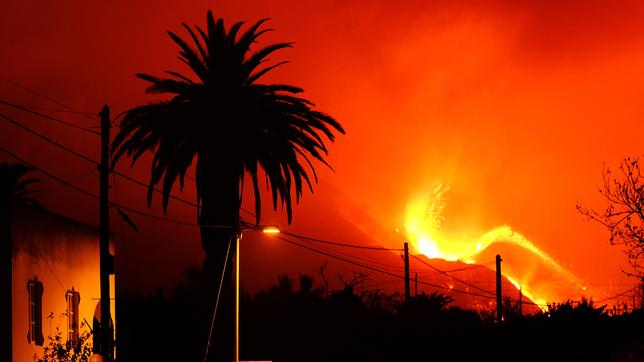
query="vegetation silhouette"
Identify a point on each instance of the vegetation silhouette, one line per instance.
(14, 187)
(233, 126)
(288, 322)
(623, 216)
(61, 349)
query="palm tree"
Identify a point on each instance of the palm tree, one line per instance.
(13, 188)
(233, 125)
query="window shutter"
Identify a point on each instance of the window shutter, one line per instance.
(73, 326)
(35, 291)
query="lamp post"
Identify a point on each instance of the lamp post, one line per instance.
(267, 229)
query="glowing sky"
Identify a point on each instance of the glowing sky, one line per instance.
(515, 104)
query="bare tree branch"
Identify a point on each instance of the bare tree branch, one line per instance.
(624, 213)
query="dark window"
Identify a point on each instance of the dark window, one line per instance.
(35, 290)
(73, 327)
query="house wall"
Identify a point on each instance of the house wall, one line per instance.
(61, 254)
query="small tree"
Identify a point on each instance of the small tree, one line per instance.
(58, 350)
(624, 213)
(584, 309)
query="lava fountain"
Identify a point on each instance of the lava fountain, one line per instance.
(423, 227)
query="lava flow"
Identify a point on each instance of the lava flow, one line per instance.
(541, 278)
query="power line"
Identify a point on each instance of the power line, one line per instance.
(78, 154)
(382, 271)
(72, 180)
(16, 84)
(354, 257)
(617, 295)
(92, 195)
(451, 276)
(112, 204)
(61, 121)
(339, 244)
(54, 110)
(143, 184)
(327, 253)
(138, 212)
(478, 266)
(49, 140)
(86, 115)
(51, 270)
(86, 158)
(129, 178)
(310, 241)
(34, 111)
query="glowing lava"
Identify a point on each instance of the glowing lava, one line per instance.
(423, 226)
(541, 303)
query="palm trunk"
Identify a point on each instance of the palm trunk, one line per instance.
(6, 282)
(219, 220)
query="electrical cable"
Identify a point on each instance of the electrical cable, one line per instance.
(16, 84)
(34, 110)
(92, 195)
(345, 259)
(72, 180)
(451, 276)
(354, 257)
(61, 121)
(382, 271)
(53, 110)
(617, 295)
(87, 159)
(477, 266)
(129, 178)
(339, 244)
(78, 154)
(47, 139)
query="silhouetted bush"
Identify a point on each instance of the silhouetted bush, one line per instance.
(352, 323)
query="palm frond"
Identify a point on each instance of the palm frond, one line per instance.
(13, 184)
(224, 115)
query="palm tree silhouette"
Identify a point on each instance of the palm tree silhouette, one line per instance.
(233, 125)
(13, 189)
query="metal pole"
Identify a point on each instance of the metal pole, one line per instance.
(237, 298)
(6, 280)
(499, 302)
(407, 287)
(104, 232)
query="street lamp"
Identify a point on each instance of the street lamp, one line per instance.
(267, 229)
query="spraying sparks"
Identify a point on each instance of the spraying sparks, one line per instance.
(423, 226)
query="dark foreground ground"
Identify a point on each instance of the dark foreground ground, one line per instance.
(297, 322)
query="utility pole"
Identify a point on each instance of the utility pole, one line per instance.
(105, 260)
(407, 287)
(237, 295)
(415, 284)
(499, 302)
(642, 293)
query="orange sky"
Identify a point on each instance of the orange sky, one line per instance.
(515, 104)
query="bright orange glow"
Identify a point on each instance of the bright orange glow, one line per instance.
(423, 225)
(513, 105)
(271, 230)
(541, 303)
